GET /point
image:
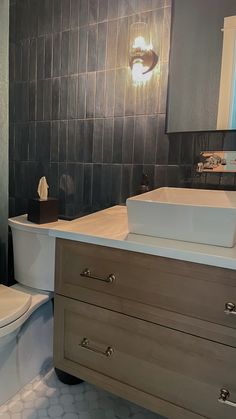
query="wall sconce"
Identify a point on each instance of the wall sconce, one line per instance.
(142, 58)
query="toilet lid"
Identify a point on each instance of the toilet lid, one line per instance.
(13, 304)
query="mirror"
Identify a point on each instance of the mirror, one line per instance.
(202, 75)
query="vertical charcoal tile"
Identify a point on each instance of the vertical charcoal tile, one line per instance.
(81, 100)
(162, 150)
(80, 139)
(63, 139)
(128, 140)
(100, 94)
(25, 60)
(122, 43)
(87, 187)
(117, 142)
(141, 100)
(92, 48)
(12, 31)
(32, 141)
(102, 10)
(79, 183)
(11, 62)
(116, 184)
(48, 56)
(12, 102)
(126, 182)
(55, 98)
(96, 186)
(25, 101)
(139, 139)
(120, 91)
(166, 34)
(108, 140)
(110, 92)
(54, 152)
(98, 140)
(21, 142)
(130, 95)
(73, 51)
(32, 59)
(57, 16)
(88, 141)
(160, 176)
(93, 11)
(47, 100)
(106, 185)
(150, 140)
(65, 11)
(71, 141)
(136, 178)
(63, 97)
(72, 97)
(43, 137)
(175, 142)
(40, 100)
(64, 53)
(45, 17)
(83, 12)
(83, 41)
(40, 57)
(53, 180)
(163, 88)
(101, 46)
(18, 62)
(111, 44)
(153, 89)
(187, 151)
(56, 54)
(32, 101)
(74, 13)
(112, 9)
(90, 95)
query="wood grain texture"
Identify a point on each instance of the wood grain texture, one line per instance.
(182, 288)
(175, 367)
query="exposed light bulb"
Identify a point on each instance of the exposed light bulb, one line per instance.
(137, 73)
(140, 43)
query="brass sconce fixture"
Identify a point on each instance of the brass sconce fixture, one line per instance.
(142, 58)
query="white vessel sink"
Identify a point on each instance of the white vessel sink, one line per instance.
(193, 215)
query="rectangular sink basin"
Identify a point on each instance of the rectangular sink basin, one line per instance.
(192, 215)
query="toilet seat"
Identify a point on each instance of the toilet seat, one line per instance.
(34, 299)
(13, 304)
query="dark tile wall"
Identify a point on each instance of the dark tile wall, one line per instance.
(75, 115)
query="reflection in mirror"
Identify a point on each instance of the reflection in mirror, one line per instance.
(202, 77)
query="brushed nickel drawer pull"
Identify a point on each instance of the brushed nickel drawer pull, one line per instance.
(87, 274)
(230, 308)
(224, 397)
(108, 352)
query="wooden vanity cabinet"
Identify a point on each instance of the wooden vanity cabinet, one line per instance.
(150, 329)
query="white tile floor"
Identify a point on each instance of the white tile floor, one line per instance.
(48, 398)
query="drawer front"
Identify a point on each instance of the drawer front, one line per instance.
(194, 290)
(173, 366)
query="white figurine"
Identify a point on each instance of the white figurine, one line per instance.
(43, 189)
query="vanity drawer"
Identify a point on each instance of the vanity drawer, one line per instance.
(185, 370)
(190, 289)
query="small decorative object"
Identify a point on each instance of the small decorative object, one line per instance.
(43, 210)
(217, 161)
(142, 58)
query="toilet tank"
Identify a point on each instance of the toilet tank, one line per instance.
(34, 253)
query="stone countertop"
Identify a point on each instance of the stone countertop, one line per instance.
(110, 228)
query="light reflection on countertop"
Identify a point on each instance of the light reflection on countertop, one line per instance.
(110, 228)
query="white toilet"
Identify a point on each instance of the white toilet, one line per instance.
(26, 312)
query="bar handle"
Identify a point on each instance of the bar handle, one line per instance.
(108, 352)
(88, 274)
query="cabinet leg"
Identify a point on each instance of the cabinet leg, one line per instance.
(67, 378)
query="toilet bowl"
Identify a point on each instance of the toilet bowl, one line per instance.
(26, 313)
